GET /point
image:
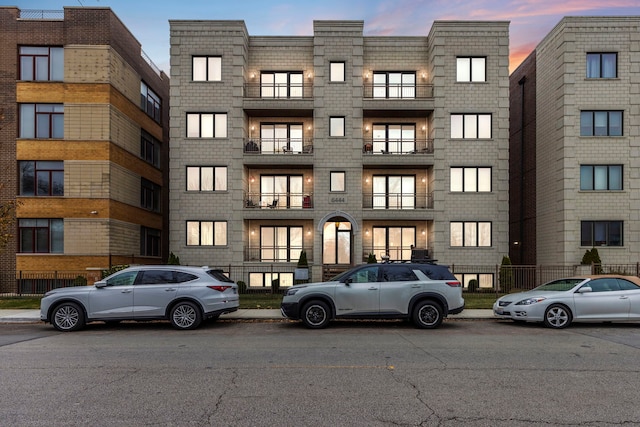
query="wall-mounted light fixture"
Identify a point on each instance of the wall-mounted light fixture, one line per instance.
(424, 128)
(366, 231)
(252, 179)
(308, 232)
(309, 127)
(308, 179)
(94, 212)
(366, 180)
(366, 76)
(423, 232)
(309, 75)
(253, 75)
(366, 128)
(424, 75)
(253, 232)
(424, 180)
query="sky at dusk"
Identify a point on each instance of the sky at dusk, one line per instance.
(530, 20)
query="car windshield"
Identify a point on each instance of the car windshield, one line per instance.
(559, 285)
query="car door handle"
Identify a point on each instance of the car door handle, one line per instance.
(373, 289)
(127, 291)
(624, 297)
(170, 289)
(416, 286)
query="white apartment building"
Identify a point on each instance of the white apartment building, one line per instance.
(338, 144)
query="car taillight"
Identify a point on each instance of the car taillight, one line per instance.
(454, 284)
(219, 288)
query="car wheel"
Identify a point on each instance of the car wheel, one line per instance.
(185, 315)
(315, 314)
(68, 317)
(427, 315)
(557, 316)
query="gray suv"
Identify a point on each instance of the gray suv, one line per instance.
(424, 293)
(183, 295)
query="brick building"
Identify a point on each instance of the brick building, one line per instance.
(338, 144)
(575, 146)
(83, 142)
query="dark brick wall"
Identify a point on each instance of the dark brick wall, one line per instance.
(522, 163)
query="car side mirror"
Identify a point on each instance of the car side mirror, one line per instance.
(584, 289)
(100, 284)
(348, 281)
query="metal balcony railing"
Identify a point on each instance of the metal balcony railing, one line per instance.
(278, 91)
(278, 146)
(395, 253)
(278, 201)
(397, 91)
(397, 201)
(397, 146)
(276, 254)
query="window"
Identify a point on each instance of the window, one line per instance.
(42, 121)
(281, 137)
(337, 72)
(41, 63)
(41, 235)
(601, 233)
(396, 242)
(280, 244)
(602, 65)
(394, 138)
(281, 191)
(150, 195)
(394, 192)
(470, 69)
(484, 280)
(206, 233)
(600, 177)
(149, 242)
(281, 84)
(470, 233)
(337, 181)
(394, 85)
(207, 69)
(471, 126)
(206, 125)
(336, 126)
(266, 280)
(149, 149)
(601, 123)
(41, 178)
(206, 178)
(150, 102)
(470, 179)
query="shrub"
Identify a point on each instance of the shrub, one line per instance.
(372, 259)
(242, 287)
(302, 261)
(472, 286)
(113, 269)
(80, 281)
(591, 257)
(173, 259)
(506, 274)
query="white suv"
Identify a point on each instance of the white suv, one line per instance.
(424, 293)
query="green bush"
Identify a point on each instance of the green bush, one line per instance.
(372, 259)
(242, 287)
(113, 269)
(173, 259)
(472, 286)
(80, 281)
(302, 261)
(506, 274)
(591, 257)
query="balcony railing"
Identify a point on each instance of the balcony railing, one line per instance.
(278, 91)
(276, 254)
(397, 91)
(278, 201)
(398, 146)
(279, 146)
(395, 253)
(397, 201)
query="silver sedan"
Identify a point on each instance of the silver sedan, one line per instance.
(575, 299)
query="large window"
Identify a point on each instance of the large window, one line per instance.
(394, 192)
(470, 233)
(41, 178)
(337, 181)
(336, 126)
(206, 178)
(206, 125)
(336, 72)
(470, 179)
(42, 121)
(471, 69)
(602, 65)
(396, 242)
(150, 195)
(601, 233)
(41, 63)
(600, 177)
(284, 84)
(150, 102)
(206, 233)
(394, 85)
(471, 126)
(394, 138)
(281, 191)
(207, 68)
(601, 123)
(280, 244)
(149, 241)
(41, 235)
(281, 137)
(149, 148)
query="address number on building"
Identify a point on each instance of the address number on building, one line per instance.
(337, 200)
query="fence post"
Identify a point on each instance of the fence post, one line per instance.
(19, 284)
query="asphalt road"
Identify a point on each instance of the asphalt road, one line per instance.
(467, 373)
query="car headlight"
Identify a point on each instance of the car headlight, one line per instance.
(291, 292)
(530, 301)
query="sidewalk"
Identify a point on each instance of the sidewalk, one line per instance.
(30, 316)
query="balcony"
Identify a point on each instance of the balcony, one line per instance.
(397, 201)
(277, 201)
(278, 146)
(276, 254)
(278, 91)
(397, 146)
(395, 253)
(397, 91)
